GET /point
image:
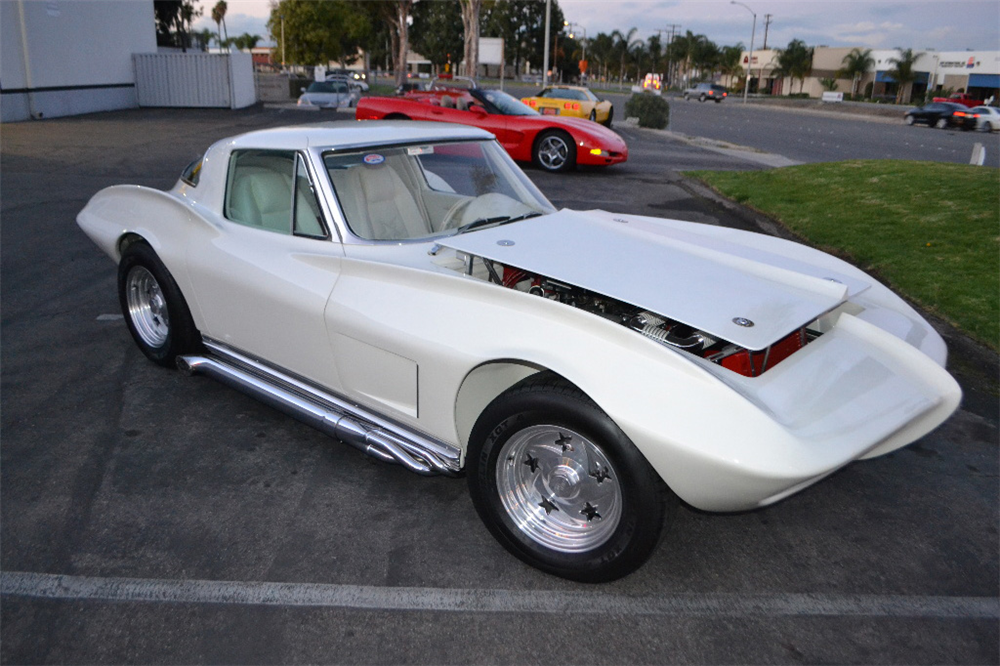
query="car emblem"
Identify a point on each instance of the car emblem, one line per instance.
(505, 243)
(742, 321)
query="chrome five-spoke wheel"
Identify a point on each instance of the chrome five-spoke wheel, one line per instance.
(147, 307)
(559, 488)
(555, 151)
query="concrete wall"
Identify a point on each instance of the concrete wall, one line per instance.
(64, 57)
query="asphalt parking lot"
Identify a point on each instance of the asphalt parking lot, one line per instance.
(150, 517)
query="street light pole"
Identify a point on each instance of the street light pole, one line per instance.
(282, 42)
(545, 48)
(753, 33)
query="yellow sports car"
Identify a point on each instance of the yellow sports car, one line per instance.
(572, 101)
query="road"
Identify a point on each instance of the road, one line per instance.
(802, 135)
(147, 516)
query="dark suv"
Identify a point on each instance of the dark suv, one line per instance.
(705, 91)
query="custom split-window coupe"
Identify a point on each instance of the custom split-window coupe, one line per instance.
(405, 288)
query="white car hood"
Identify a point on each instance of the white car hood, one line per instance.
(684, 271)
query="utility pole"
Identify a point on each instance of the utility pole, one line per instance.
(672, 31)
(767, 24)
(545, 48)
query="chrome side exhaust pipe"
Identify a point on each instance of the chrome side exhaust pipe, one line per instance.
(349, 423)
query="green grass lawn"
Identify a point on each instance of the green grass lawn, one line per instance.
(931, 231)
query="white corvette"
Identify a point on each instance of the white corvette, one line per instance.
(404, 287)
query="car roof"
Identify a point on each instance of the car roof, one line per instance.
(348, 133)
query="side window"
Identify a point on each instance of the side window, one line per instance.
(307, 219)
(192, 172)
(259, 189)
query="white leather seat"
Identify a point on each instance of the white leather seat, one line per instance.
(384, 207)
(262, 197)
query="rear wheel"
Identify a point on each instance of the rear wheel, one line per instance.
(555, 151)
(155, 311)
(908, 120)
(942, 123)
(702, 98)
(561, 486)
(687, 97)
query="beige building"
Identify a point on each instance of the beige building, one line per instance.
(974, 72)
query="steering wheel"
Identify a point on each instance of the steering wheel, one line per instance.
(454, 215)
(491, 204)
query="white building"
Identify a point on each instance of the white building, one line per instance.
(61, 57)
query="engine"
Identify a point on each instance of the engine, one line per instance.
(661, 329)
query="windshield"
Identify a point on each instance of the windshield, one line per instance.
(327, 87)
(502, 103)
(394, 193)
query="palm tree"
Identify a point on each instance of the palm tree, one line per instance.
(729, 61)
(624, 44)
(903, 72)
(795, 61)
(855, 65)
(219, 16)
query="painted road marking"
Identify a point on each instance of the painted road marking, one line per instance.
(74, 588)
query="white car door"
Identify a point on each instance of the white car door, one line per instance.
(263, 281)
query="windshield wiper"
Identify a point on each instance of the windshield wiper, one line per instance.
(498, 220)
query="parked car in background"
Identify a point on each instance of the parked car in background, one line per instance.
(987, 118)
(941, 115)
(354, 76)
(652, 83)
(576, 101)
(707, 91)
(553, 143)
(405, 288)
(964, 99)
(329, 95)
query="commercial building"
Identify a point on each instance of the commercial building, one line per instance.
(974, 72)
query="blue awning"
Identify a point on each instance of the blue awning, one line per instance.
(984, 80)
(921, 77)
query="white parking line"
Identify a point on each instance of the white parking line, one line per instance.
(75, 588)
(110, 317)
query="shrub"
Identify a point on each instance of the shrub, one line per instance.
(651, 110)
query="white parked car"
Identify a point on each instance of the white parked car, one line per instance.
(404, 287)
(987, 118)
(329, 95)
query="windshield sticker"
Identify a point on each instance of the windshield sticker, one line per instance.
(420, 150)
(374, 158)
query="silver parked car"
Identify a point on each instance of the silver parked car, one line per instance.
(329, 95)
(987, 118)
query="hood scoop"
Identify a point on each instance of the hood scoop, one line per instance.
(698, 275)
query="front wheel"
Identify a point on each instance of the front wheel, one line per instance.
(155, 311)
(987, 127)
(561, 486)
(909, 120)
(611, 115)
(555, 151)
(593, 115)
(687, 97)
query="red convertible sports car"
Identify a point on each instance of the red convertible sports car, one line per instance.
(553, 143)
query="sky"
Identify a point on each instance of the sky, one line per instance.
(942, 25)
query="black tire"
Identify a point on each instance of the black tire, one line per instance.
(702, 98)
(987, 126)
(718, 100)
(593, 115)
(611, 115)
(687, 98)
(593, 548)
(554, 151)
(147, 292)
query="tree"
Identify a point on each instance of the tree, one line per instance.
(855, 65)
(437, 31)
(318, 32)
(903, 72)
(219, 16)
(173, 21)
(624, 45)
(729, 63)
(246, 41)
(521, 24)
(795, 61)
(203, 38)
(470, 21)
